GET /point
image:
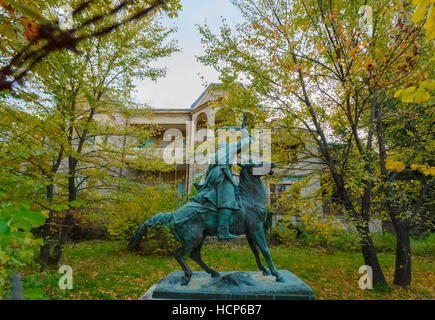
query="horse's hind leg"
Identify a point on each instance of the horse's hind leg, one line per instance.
(179, 256)
(196, 256)
(260, 241)
(254, 249)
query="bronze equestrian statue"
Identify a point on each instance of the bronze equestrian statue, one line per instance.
(220, 188)
(216, 210)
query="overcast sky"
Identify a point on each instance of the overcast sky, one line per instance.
(182, 84)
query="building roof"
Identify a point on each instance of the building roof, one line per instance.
(194, 105)
(197, 101)
(175, 110)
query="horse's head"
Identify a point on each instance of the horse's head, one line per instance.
(250, 183)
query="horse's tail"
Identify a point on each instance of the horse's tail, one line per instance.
(268, 220)
(159, 219)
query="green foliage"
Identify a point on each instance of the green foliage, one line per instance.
(285, 231)
(17, 243)
(349, 241)
(327, 233)
(321, 231)
(136, 203)
(106, 270)
(33, 285)
(424, 246)
(76, 110)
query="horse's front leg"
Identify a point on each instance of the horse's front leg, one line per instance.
(254, 249)
(260, 241)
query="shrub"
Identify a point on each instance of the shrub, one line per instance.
(285, 232)
(424, 246)
(348, 241)
(136, 204)
(90, 224)
(321, 231)
(327, 233)
(384, 242)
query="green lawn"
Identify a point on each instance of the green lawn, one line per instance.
(106, 270)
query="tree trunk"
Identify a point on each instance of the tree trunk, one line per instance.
(44, 251)
(68, 222)
(367, 247)
(371, 258)
(63, 236)
(402, 272)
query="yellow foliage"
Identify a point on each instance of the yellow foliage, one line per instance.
(286, 237)
(414, 166)
(419, 13)
(421, 95)
(417, 2)
(417, 95)
(408, 94)
(429, 85)
(325, 231)
(430, 24)
(429, 171)
(426, 170)
(137, 205)
(398, 93)
(394, 165)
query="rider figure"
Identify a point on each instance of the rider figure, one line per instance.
(219, 186)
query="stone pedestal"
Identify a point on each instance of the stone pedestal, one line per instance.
(233, 285)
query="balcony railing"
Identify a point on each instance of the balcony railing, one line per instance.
(148, 152)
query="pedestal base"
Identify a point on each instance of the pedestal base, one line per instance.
(233, 285)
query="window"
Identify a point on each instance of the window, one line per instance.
(199, 177)
(148, 143)
(289, 186)
(90, 140)
(291, 179)
(181, 189)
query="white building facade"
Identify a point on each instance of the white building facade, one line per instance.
(189, 121)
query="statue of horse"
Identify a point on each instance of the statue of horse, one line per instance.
(193, 222)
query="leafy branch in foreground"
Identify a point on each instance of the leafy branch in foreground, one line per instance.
(45, 36)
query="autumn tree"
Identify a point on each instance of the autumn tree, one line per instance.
(316, 65)
(72, 144)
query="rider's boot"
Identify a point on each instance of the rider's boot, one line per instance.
(223, 229)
